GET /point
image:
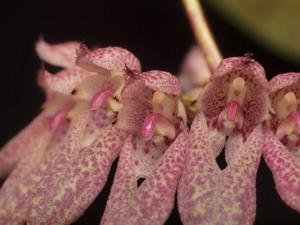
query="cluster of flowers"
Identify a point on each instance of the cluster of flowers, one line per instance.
(101, 106)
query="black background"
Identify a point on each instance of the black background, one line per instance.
(156, 31)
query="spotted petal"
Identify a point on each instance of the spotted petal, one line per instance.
(284, 80)
(107, 59)
(21, 144)
(16, 191)
(207, 195)
(64, 81)
(285, 167)
(62, 55)
(161, 81)
(256, 104)
(151, 202)
(77, 187)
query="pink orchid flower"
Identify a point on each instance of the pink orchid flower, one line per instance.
(233, 104)
(88, 115)
(155, 100)
(281, 147)
(77, 171)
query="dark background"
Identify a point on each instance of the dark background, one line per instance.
(156, 31)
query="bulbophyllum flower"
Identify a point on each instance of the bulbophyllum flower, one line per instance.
(77, 170)
(155, 100)
(233, 104)
(87, 115)
(282, 140)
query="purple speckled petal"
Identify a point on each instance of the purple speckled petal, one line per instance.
(107, 59)
(283, 80)
(57, 159)
(152, 202)
(64, 81)
(63, 54)
(285, 167)
(137, 91)
(132, 115)
(233, 145)
(256, 104)
(78, 186)
(207, 195)
(161, 81)
(19, 145)
(16, 188)
(217, 140)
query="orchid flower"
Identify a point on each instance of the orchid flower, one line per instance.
(233, 104)
(155, 101)
(78, 171)
(80, 164)
(281, 149)
(88, 115)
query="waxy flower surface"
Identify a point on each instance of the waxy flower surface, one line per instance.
(233, 105)
(281, 149)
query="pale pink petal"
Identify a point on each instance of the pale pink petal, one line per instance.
(16, 191)
(132, 115)
(207, 195)
(152, 202)
(137, 91)
(64, 81)
(285, 168)
(57, 159)
(161, 81)
(217, 140)
(19, 145)
(283, 81)
(107, 59)
(195, 68)
(76, 188)
(233, 145)
(255, 107)
(63, 54)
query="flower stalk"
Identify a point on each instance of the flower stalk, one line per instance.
(202, 33)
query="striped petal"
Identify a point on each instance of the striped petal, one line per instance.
(62, 55)
(151, 202)
(285, 167)
(161, 81)
(78, 186)
(21, 144)
(207, 195)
